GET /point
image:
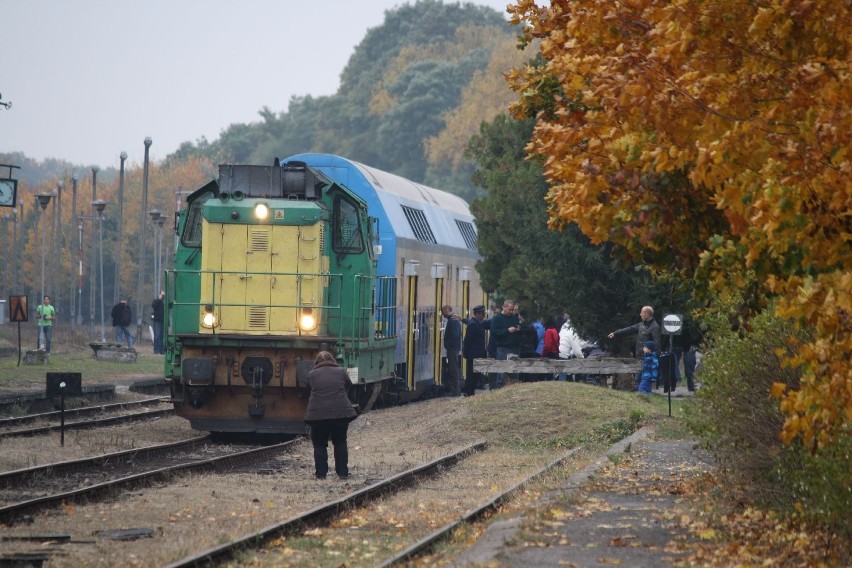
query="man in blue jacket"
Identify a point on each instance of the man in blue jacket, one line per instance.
(452, 343)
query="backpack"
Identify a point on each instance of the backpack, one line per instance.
(126, 316)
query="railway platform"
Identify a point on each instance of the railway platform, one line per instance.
(624, 509)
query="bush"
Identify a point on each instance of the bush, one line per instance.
(740, 423)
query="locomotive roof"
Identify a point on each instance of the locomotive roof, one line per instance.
(407, 190)
(413, 211)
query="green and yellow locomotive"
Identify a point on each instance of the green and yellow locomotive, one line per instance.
(274, 264)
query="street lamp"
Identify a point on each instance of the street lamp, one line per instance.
(95, 170)
(6, 219)
(156, 215)
(16, 255)
(54, 274)
(99, 205)
(43, 201)
(140, 282)
(160, 283)
(116, 289)
(78, 304)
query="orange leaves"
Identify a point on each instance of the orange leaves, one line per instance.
(736, 116)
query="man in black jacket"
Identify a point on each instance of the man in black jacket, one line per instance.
(158, 317)
(452, 343)
(646, 330)
(121, 318)
(473, 347)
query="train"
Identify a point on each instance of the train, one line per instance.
(315, 252)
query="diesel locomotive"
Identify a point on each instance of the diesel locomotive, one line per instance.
(314, 253)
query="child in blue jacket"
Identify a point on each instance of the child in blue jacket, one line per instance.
(650, 367)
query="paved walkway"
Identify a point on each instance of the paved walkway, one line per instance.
(626, 509)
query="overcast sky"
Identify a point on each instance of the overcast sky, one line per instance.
(89, 79)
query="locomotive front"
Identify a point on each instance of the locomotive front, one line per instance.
(273, 265)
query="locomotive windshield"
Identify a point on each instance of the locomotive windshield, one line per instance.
(192, 229)
(347, 227)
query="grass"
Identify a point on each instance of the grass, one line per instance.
(13, 377)
(552, 415)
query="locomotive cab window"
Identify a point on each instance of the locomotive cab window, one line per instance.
(346, 227)
(192, 229)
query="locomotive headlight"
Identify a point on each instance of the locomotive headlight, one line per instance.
(208, 318)
(307, 321)
(261, 211)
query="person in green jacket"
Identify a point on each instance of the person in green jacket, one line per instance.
(46, 315)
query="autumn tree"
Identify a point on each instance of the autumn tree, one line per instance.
(711, 138)
(549, 271)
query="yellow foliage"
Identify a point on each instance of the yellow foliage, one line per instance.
(751, 103)
(485, 97)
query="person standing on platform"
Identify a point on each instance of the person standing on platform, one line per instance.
(505, 328)
(539, 332)
(453, 345)
(122, 316)
(551, 340)
(650, 367)
(46, 315)
(473, 348)
(158, 317)
(490, 346)
(570, 345)
(645, 330)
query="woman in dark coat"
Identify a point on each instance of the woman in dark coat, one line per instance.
(329, 414)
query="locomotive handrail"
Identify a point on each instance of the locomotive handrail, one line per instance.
(361, 313)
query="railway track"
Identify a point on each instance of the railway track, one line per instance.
(79, 412)
(323, 513)
(27, 490)
(93, 423)
(425, 544)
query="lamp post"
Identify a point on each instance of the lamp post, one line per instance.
(74, 304)
(80, 275)
(99, 205)
(17, 256)
(55, 272)
(160, 283)
(43, 201)
(116, 289)
(6, 219)
(155, 215)
(92, 257)
(140, 282)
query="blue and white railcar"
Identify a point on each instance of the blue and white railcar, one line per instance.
(427, 241)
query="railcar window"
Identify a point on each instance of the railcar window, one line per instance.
(192, 230)
(346, 235)
(419, 225)
(468, 233)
